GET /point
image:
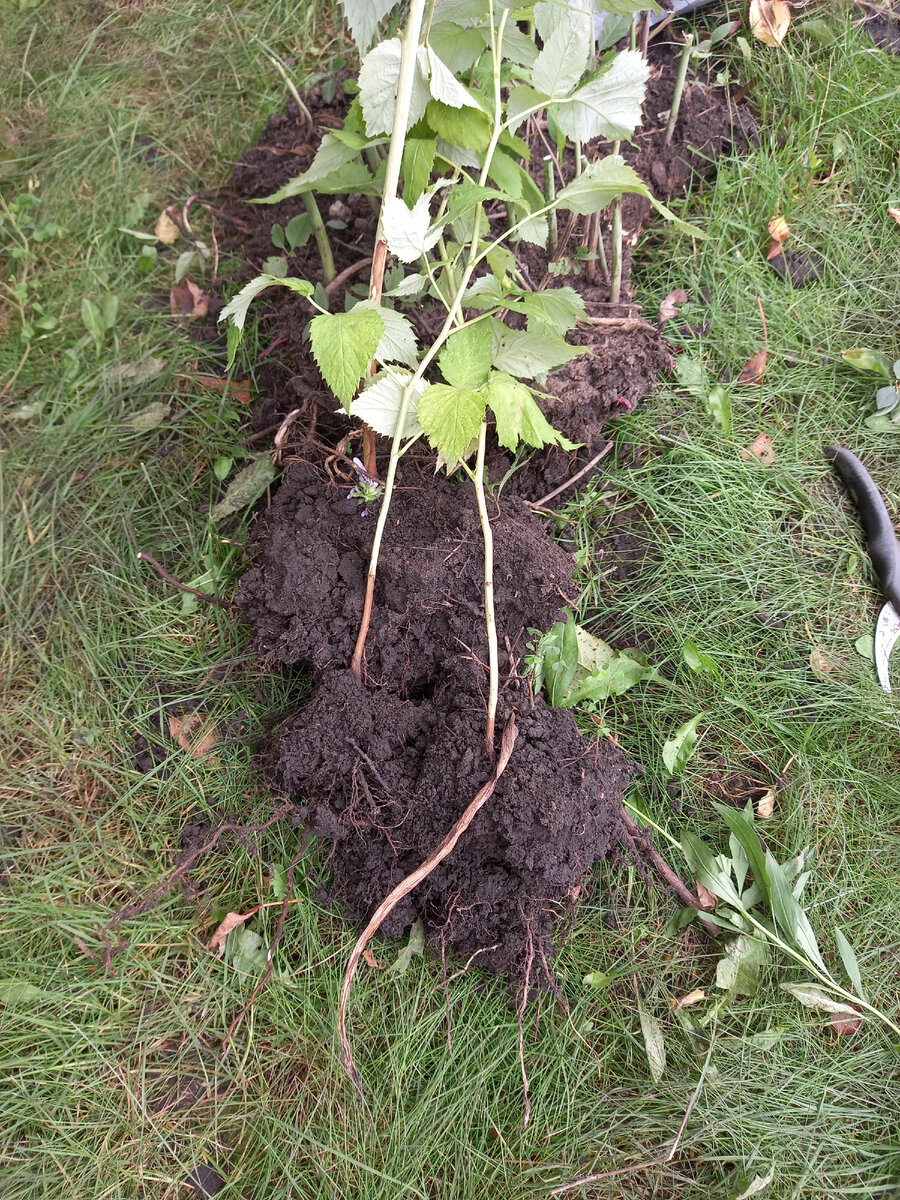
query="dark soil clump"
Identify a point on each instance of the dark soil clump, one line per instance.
(386, 778)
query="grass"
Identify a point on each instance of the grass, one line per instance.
(114, 1082)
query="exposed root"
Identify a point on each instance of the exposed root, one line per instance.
(640, 842)
(182, 587)
(412, 881)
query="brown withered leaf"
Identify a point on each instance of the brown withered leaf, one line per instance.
(231, 921)
(765, 805)
(755, 368)
(822, 665)
(779, 232)
(769, 21)
(238, 389)
(166, 229)
(708, 900)
(371, 960)
(188, 302)
(194, 734)
(843, 1023)
(668, 309)
(895, 213)
(760, 448)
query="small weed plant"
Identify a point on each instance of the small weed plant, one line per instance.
(434, 137)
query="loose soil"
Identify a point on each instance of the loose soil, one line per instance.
(384, 766)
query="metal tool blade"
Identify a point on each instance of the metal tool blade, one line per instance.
(887, 631)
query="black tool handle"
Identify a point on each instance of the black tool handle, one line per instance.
(884, 549)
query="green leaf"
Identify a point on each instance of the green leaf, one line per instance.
(379, 404)
(718, 405)
(378, 79)
(597, 979)
(743, 830)
(222, 467)
(465, 197)
(871, 361)
(451, 418)
(298, 231)
(465, 360)
(530, 355)
(812, 996)
(609, 105)
(399, 341)
(691, 375)
(707, 869)
(415, 946)
(407, 230)
(851, 964)
(517, 415)
(469, 128)
(277, 881)
(246, 951)
(441, 82)
(415, 169)
(363, 17)
(738, 971)
(183, 264)
(331, 157)
(553, 312)
(564, 57)
(507, 174)
(755, 1185)
(246, 487)
(789, 916)
(276, 265)
(697, 660)
(236, 309)
(15, 993)
(92, 320)
(680, 747)
(599, 184)
(458, 48)
(343, 344)
(409, 285)
(653, 1043)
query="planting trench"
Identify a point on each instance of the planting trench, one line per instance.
(383, 767)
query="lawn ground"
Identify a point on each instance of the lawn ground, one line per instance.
(113, 1082)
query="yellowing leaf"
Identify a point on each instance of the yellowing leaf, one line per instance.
(693, 997)
(166, 229)
(769, 21)
(779, 232)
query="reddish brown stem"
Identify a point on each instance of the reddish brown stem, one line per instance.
(359, 648)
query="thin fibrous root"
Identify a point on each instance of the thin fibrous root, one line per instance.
(390, 902)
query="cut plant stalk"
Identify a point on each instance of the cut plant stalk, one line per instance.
(550, 197)
(489, 616)
(683, 64)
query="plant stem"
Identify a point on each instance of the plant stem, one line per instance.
(550, 197)
(615, 291)
(683, 63)
(489, 618)
(320, 233)
(405, 81)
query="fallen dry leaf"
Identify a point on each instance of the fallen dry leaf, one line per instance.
(238, 389)
(693, 997)
(194, 734)
(822, 665)
(769, 21)
(188, 302)
(230, 921)
(708, 899)
(671, 304)
(755, 368)
(166, 229)
(371, 960)
(761, 448)
(895, 213)
(765, 806)
(843, 1023)
(779, 232)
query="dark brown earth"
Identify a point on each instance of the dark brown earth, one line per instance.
(883, 27)
(384, 766)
